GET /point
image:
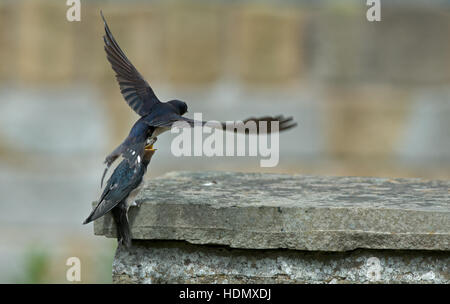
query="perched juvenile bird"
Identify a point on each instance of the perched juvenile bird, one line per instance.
(119, 193)
(156, 116)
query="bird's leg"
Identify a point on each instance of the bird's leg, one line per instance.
(104, 174)
(109, 160)
(136, 204)
(114, 154)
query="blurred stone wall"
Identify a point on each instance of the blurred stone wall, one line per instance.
(197, 42)
(379, 88)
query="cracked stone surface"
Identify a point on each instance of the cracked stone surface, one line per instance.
(270, 211)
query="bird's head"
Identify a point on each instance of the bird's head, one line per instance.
(179, 105)
(148, 153)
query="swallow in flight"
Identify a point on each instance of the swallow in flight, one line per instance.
(156, 117)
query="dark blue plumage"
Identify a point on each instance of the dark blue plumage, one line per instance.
(119, 193)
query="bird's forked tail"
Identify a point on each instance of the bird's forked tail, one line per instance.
(123, 228)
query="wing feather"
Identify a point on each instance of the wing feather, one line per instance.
(283, 123)
(130, 80)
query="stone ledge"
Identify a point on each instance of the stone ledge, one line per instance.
(269, 211)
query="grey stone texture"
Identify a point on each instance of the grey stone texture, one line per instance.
(270, 211)
(224, 227)
(180, 262)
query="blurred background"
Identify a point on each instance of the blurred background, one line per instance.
(370, 98)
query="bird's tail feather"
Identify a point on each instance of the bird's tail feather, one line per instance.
(89, 218)
(123, 228)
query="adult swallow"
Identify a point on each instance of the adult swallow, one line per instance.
(156, 116)
(120, 192)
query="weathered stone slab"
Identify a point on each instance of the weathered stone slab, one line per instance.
(262, 211)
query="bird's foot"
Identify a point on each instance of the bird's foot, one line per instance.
(136, 204)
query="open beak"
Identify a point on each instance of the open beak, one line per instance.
(149, 148)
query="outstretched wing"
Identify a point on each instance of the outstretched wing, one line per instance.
(236, 127)
(136, 91)
(283, 124)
